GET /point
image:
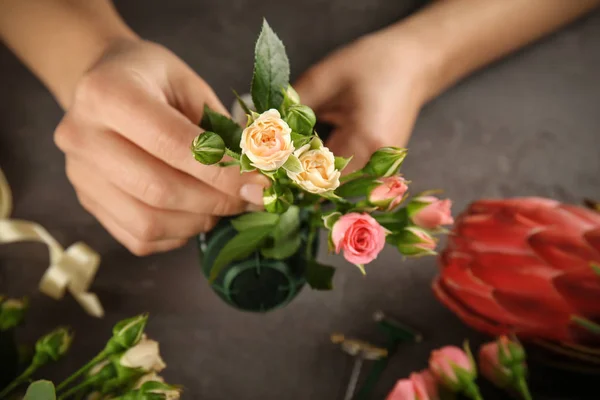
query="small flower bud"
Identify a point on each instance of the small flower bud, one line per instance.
(429, 212)
(389, 193)
(277, 200)
(502, 362)
(143, 356)
(12, 313)
(413, 241)
(301, 119)
(455, 369)
(52, 346)
(290, 98)
(208, 148)
(126, 334)
(385, 162)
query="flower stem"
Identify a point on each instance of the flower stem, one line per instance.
(18, 381)
(100, 357)
(76, 389)
(472, 391)
(523, 389)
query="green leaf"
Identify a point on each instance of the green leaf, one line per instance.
(319, 276)
(330, 219)
(356, 188)
(293, 164)
(253, 220)
(300, 140)
(284, 248)
(395, 222)
(341, 162)
(289, 223)
(40, 390)
(229, 130)
(242, 103)
(239, 247)
(246, 164)
(271, 71)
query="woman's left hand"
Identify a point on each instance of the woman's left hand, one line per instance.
(371, 91)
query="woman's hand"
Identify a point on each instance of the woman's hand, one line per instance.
(370, 92)
(126, 137)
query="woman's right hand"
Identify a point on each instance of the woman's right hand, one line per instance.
(126, 137)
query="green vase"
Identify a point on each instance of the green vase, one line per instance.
(254, 284)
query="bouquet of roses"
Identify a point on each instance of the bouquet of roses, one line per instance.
(361, 209)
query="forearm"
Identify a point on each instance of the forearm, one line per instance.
(59, 40)
(453, 38)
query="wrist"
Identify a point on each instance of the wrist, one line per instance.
(90, 49)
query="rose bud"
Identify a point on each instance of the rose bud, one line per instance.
(208, 148)
(144, 356)
(277, 200)
(12, 313)
(52, 346)
(389, 193)
(153, 390)
(301, 119)
(290, 98)
(126, 334)
(413, 241)
(419, 386)
(455, 370)
(502, 362)
(385, 162)
(150, 377)
(360, 237)
(267, 142)
(318, 174)
(429, 212)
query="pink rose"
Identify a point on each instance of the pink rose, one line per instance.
(446, 362)
(419, 386)
(433, 213)
(414, 241)
(360, 236)
(489, 364)
(389, 194)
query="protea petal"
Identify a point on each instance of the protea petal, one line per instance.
(593, 239)
(584, 214)
(465, 313)
(581, 289)
(492, 234)
(562, 250)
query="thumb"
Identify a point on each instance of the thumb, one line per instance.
(189, 95)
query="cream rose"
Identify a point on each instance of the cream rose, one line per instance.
(318, 173)
(267, 142)
(144, 355)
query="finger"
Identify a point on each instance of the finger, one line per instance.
(143, 176)
(164, 132)
(191, 93)
(143, 222)
(133, 244)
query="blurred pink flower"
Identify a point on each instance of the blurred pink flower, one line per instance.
(390, 192)
(434, 214)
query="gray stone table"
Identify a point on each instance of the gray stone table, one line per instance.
(529, 125)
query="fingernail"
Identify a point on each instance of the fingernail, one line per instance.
(252, 193)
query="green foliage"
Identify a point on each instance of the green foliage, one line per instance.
(271, 71)
(253, 220)
(319, 276)
(40, 390)
(227, 129)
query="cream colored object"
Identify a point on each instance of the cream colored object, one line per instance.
(72, 269)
